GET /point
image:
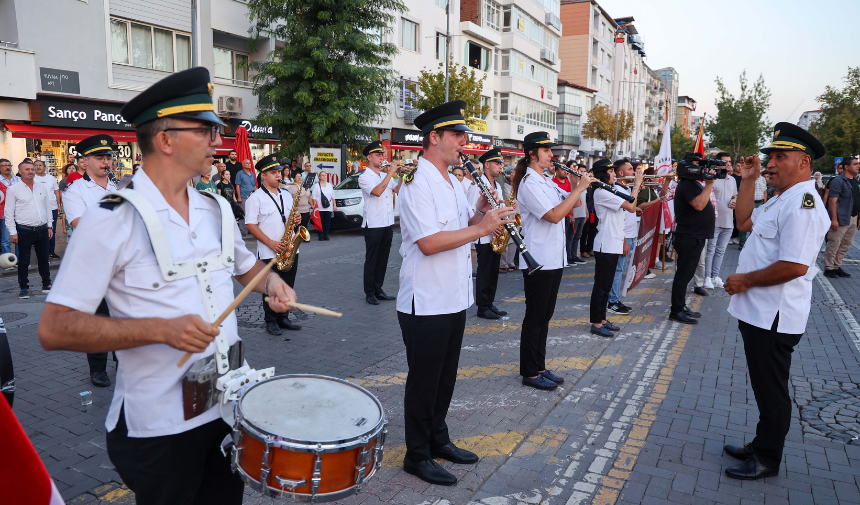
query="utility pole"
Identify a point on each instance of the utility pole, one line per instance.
(194, 33)
(447, 43)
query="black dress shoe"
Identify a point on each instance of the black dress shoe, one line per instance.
(100, 379)
(429, 471)
(454, 454)
(692, 313)
(751, 469)
(700, 291)
(553, 377)
(380, 295)
(842, 273)
(831, 274)
(487, 314)
(283, 322)
(602, 331)
(682, 317)
(742, 453)
(540, 382)
(273, 329)
(498, 310)
(611, 327)
(371, 299)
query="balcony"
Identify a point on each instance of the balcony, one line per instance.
(553, 20)
(576, 110)
(548, 56)
(487, 35)
(570, 140)
(594, 61)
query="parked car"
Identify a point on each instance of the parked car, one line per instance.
(350, 204)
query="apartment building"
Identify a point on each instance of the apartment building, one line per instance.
(695, 125)
(570, 118)
(655, 111)
(684, 115)
(630, 86)
(669, 77)
(808, 117)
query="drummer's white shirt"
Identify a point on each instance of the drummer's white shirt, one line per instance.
(440, 283)
(110, 256)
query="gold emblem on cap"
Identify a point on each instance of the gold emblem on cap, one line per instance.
(104, 142)
(776, 134)
(463, 112)
(210, 88)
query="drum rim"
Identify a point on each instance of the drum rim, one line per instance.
(297, 445)
(267, 490)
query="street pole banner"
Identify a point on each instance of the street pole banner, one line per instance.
(646, 244)
(664, 157)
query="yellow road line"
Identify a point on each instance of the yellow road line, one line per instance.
(555, 323)
(485, 446)
(586, 294)
(579, 276)
(110, 493)
(498, 370)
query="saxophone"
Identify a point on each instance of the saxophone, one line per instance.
(284, 261)
(501, 243)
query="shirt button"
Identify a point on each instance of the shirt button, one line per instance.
(193, 235)
(155, 284)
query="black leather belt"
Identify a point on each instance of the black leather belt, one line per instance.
(31, 228)
(759, 201)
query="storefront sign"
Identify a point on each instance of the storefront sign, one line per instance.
(255, 130)
(80, 115)
(479, 138)
(506, 144)
(330, 158)
(64, 81)
(477, 124)
(400, 136)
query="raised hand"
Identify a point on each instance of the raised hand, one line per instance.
(749, 167)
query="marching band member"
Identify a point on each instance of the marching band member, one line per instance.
(437, 225)
(167, 255)
(95, 155)
(609, 244)
(266, 213)
(488, 260)
(542, 206)
(377, 188)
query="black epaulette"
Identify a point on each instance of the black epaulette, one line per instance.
(111, 202)
(525, 177)
(410, 176)
(808, 201)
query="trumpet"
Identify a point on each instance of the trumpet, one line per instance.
(407, 166)
(646, 177)
(598, 184)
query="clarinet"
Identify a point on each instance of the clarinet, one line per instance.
(533, 265)
(597, 184)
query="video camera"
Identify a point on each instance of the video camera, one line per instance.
(695, 168)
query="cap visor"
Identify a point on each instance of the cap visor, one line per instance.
(206, 115)
(767, 150)
(458, 127)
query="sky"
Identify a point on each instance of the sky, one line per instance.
(798, 46)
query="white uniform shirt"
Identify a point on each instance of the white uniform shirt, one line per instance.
(148, 382)
(50, 183)
(328, 191)
(262, 211)
(440, 283)
(378, 210)
(783, 230)
(631, 222)
(466, 183)
(536, 196)
(610, 226)
(27, 207)
(472, 198)
(83, 194)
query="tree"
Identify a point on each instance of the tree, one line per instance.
(740, 127)
(332, 78)
(607, 127)
(838, 127)
(463, 84)
(681, 144)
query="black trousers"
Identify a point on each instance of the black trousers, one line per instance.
(325, 220)
(183, 469)
(306, 217)
(569, 235)
(488, 276)
(432, 353)
(689, 250)
(98, 360)
(38, 240)
(768, 361)
(541, 290)
(590, 234)
(269, 315)
(604, 274)
(377, 246)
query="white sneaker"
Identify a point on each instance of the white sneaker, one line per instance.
(718, 283)
(708, 283)
(650, 275)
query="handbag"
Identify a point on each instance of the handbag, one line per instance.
(324, 200)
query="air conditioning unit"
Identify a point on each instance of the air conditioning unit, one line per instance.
(409, 115)
(547, 55)
(229, 105)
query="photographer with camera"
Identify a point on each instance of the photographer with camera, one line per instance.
(695, 219)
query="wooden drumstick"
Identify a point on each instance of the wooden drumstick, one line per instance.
(245, 292)
(310, 308)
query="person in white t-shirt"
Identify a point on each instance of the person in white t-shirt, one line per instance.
(50, 183)
(623, 168)
(323, 193)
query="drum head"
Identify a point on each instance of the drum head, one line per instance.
(311, 409)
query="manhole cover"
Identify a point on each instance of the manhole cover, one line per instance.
(835, 415)
(8, 317)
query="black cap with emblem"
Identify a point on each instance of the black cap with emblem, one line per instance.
(448, 116)
(790, 137)
(186, 94)
(537, 139)
(373, 147)
(95, 145)
(492, 155)
(268, 163)
(601, 166)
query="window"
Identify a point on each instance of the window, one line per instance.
(525, 110)
(231, 66)
(146, 46)
(408, 93)
(477, 56)
(374, 34)
(492, 15)
(517, 21)
(408, 35)
(441, 3)
(441, 46)
(522, 67)
(486, 101)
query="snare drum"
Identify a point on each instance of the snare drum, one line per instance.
(307, 438)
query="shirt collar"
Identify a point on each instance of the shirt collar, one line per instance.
(433, 172)
(540, 177)
(144, 185)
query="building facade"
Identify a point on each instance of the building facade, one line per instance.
(630, 86)
(670, 79)
(807, 118)
(655, 112)
(570, 118)
(684, 114)
(695, 125)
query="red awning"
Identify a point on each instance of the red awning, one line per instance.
(406, 147)
(28, 131)
(226, 146)
(512, 152)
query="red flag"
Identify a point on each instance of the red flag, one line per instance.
(243, 149)
(700, 140)
(315, 217)
(2, 199)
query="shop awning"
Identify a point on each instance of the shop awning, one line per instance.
(28, 131)
(418, 147)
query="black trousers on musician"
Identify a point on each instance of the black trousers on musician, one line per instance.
(689, 250)
(269, 315)
(98, 360)
(541, 289)
(432, 353)
(183, 469)
(768, 355)
(377, 246)
(488, 276)
(604, 274)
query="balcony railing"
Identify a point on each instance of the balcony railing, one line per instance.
(570, 109)
(553, 20)
(574, 140)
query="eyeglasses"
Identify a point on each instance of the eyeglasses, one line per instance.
(213, 130)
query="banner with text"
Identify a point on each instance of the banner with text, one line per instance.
(646, 244)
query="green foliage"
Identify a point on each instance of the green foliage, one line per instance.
(463, 84)
(332, 78)
(603, 125)
(740, 127)
(681, 144)
(838, 128)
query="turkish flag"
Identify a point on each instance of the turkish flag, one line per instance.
(315, 217)
(2, 199)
